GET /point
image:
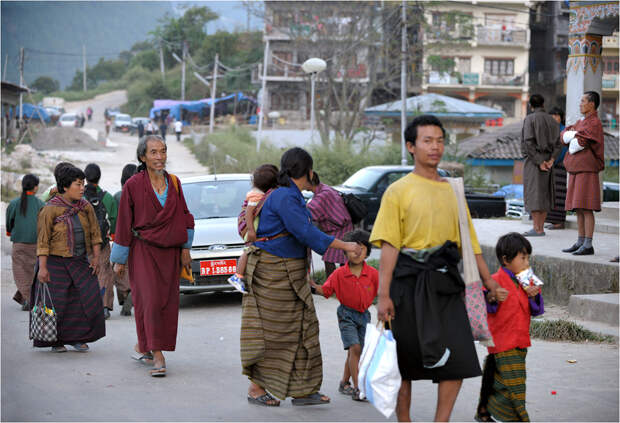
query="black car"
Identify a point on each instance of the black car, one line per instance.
(369, 184)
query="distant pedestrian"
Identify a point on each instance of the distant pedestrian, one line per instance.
(280, 349)
(67, 231)
(106, 211)
(163, 128)
(502, 394)
(556, 218)
(82, 120)
(355, 285)
(583, 194)
(140, 129)
(154, 233)
(108, 125)
(178, 129)
(21, 226)
(264, 180)
(89, 113)
(540, 144)
(123, 289)
(329, 212)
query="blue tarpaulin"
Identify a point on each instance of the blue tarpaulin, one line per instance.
(32, 112)
(175, 107)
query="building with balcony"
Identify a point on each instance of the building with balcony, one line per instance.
(297, 31)
(609, 104)
(479, 52)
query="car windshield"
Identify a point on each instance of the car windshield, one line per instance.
(68, 117)
(363, 178)
(215, 199)
(124, 118)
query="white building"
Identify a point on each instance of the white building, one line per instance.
(485, 57)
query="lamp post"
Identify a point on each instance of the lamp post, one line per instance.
(313, 66)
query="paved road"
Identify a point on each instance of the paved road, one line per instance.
(205, 381)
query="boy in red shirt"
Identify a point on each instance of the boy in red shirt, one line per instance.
(355, 285)
(502, 394)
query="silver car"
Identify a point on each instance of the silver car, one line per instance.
(215, 201)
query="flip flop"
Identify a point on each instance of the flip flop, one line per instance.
(146, 358)
(80, 347)
(532, 232)
(158, 371)
(312, 399)
(263, 400)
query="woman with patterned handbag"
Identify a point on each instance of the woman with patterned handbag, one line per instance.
(67, 231)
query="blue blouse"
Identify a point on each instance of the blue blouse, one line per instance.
(120, 253)
(285, 210)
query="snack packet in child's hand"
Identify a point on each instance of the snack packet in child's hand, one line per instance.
(528, 278)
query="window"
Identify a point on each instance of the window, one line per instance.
(443, 21)
(464, 65)
(610, 64)
(494, 20)
(499, 67)
(285, 101)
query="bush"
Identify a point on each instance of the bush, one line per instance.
(234, 151)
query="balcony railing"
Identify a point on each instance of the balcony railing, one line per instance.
(498, 36)
(506, 80)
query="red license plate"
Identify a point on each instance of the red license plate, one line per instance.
(218, 267)
(124, 129)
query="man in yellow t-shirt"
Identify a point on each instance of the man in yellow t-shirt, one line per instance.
(417, 228)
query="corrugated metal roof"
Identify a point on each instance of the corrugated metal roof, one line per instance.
(438, 105)
(505, 143)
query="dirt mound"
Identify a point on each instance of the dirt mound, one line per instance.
(66, 139)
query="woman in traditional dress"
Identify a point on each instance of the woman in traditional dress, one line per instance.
(21, 226)
(280, 350)
(556, 218)
(67, 231)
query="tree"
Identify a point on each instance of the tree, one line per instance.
(45, 84)
(361, 43)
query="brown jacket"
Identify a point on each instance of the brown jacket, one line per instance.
(52, 237)
(540, 137)
(590, 135)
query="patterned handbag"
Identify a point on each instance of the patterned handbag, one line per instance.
(42, 318)
(474, 297)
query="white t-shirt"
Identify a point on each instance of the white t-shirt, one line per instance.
(178, 126)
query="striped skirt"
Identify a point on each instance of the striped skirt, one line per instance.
(558, 214)
(503, 386)
(23, 258)
(280, 348)
(77, 300)
(583, 192)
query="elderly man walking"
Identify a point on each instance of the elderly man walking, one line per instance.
(540, 144)
(585, 160)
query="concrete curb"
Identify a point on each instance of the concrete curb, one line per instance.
(598, 308)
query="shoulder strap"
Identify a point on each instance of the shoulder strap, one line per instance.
(175, 181)
(470, 269)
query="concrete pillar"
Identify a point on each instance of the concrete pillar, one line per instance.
(584, 71)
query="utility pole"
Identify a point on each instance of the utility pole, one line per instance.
(403, 86)
(161, 62)
(6, 62)
(84, 66)
(213, 89)
(183, 71)
(21, 84)
(263, 96)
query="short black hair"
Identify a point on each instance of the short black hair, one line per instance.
(511, 244)
(411, 133)
(128, 171)
(60, 166)
(359, 236)
(265, 177)
(66, 176)
(295, 163)
(594, 97)
(537, 100)
(93, 173)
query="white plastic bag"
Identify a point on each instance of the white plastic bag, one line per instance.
(379, 378)
(574, 146)
(568, 136)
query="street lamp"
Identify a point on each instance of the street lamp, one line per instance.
(313, 66)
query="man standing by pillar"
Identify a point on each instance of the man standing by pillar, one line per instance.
(540, 144)
(583, 164)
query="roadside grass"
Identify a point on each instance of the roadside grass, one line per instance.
(610, 174)
(564, 330)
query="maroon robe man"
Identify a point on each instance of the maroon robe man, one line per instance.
(583, 193)
(154, 232)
